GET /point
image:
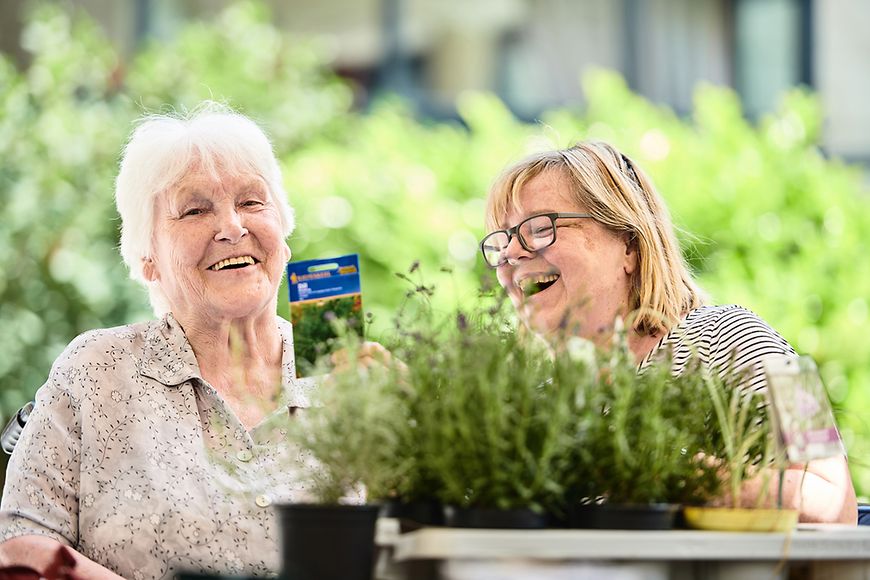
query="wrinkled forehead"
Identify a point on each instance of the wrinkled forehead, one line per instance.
(214, 174)
(196, 179)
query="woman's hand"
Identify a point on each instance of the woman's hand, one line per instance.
(42, 553)
(368, 355)
(821, 491)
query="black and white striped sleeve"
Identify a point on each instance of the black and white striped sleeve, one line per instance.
(739, 340)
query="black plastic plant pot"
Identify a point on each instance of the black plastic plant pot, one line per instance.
(414, 515)
(659, 516)
(518, 519)
(327, 542)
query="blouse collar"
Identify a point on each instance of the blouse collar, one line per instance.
(168, 358)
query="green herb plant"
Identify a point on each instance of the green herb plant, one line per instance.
(640, 438)
(489, 423)
(499, 422)
(471, 412)
(353, 435)
(746, 448)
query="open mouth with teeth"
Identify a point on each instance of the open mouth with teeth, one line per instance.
(234, 263)
(537, 284)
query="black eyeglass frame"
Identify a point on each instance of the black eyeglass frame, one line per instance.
(514, 231)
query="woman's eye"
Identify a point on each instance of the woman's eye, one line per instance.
(192, 212)
(252, 203)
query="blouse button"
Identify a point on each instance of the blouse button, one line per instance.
(263, 501)
(245, 455)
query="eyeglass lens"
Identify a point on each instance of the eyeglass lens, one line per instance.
(535, 233)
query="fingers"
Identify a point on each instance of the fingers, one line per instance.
(368, 355)
(339, 359)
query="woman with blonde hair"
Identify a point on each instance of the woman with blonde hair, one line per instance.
(580, 238)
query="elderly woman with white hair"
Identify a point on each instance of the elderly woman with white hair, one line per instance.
(118, 459)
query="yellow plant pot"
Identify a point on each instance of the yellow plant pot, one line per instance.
(740, 520)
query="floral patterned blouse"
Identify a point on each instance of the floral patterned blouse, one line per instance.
(132, 459)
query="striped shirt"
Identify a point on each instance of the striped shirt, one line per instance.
(726, 339)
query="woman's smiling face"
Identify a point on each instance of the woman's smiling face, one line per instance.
(218, 251)
(577, 285)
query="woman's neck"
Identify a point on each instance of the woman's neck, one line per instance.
(241, 359)
(642, 344)
(639, 343)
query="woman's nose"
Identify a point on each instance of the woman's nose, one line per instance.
(515, 251)
(230, 227)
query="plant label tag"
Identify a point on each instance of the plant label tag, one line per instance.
(325, 295)
(800, 410)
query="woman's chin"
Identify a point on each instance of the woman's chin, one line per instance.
(241, 307)
(544, 323)
(555, 325)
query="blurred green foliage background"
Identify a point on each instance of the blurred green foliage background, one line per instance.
(770, 222)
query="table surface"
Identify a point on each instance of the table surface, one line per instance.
(808, 542)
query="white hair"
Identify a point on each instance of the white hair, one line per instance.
(163, 148)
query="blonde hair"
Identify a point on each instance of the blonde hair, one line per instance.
(163, 149)
(622, 198)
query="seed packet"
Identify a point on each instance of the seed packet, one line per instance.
(325, 295)
(800, 409)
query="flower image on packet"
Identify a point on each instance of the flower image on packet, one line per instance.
(801, 410)
(325, 295)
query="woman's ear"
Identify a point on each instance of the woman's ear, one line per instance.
(630, 261)
(149, 270)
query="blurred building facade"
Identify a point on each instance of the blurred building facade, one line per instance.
(533, 52)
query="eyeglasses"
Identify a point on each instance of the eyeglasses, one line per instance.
(534, 233)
